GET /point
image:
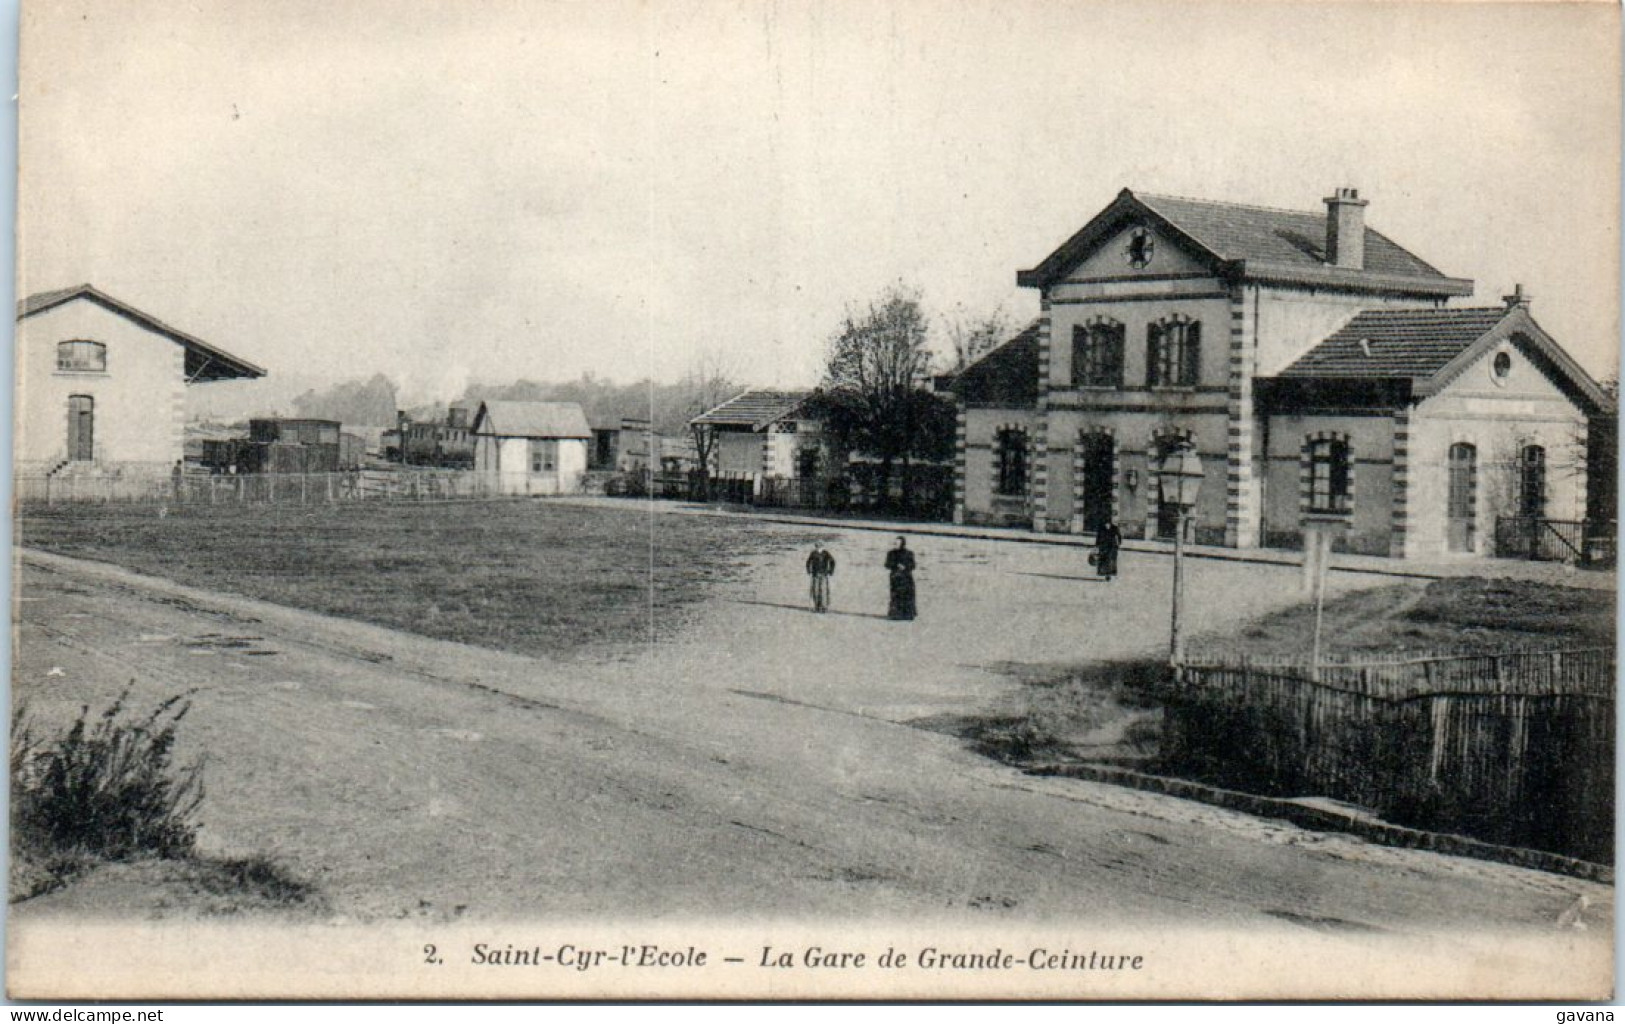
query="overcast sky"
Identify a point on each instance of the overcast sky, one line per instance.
(456, 190)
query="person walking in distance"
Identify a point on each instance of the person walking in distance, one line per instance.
(900, 563)
(820, 567)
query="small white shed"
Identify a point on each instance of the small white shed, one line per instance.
(532, 447)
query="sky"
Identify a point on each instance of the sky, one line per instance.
(449, 192)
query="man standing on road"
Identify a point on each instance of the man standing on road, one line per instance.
(820, 566)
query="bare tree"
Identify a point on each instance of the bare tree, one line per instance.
(972, 337)
(874, 396)
(710, 381)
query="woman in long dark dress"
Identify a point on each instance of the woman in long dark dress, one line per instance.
(1107, 540)
(900, 563)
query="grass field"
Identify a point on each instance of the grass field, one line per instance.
(548, 579)
(531, 577)
(1468, 614)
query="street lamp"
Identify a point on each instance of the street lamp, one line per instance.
(1180, 478)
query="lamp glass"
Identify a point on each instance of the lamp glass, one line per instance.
(1180, 477)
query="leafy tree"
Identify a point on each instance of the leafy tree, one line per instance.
(370, 402)
(874, 398)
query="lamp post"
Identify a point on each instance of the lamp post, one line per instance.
(1180, 478)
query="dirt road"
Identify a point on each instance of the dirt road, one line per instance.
(759, 768)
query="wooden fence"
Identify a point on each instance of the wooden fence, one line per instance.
(1511, 747)
(256, 488)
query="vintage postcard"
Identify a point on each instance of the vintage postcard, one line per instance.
(785, 499)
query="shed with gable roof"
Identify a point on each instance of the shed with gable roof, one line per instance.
(531, 447)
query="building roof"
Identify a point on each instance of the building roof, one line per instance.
(1429, 348)
(616, 421)
(1233, 231)
(1004, 375)
(532, 419)
(757, 410)
(1254, 243)
(204, 362)
(1414, 343)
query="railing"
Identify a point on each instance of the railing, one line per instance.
(1554, 540)
(255, 488)
(781, 492)
(930, 494)
(644, 484)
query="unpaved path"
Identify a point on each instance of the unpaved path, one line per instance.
(756, 768)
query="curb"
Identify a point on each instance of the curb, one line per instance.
(1321, 819)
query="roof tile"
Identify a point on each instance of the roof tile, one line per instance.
(1006, 374)
(533, 419)
(1389, 343)
(1235, 231)
(754, 409)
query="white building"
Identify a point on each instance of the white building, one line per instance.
(760, 437)
(101, 385)
(532, 447)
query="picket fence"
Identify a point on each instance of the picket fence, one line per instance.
(256, 488)
(1513, 747)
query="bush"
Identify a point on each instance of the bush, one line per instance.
(105, 788)
(1013, 740)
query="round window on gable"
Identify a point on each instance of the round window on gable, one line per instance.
(1501, 367)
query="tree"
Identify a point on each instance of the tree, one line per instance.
(709, 382)
(370, 402)
(874, 398)
(970, 338)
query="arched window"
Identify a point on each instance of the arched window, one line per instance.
(1097, 354)
(1461, 499)
(1012, 462)
(1329, 476)
(1532, 481)
(1173, 353)
(81, 356)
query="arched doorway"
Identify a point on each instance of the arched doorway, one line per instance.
(1532, 482)
(1462, 501)
(1097, 476)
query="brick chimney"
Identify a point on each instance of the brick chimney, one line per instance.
(1519, 299)
(1345, 229)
